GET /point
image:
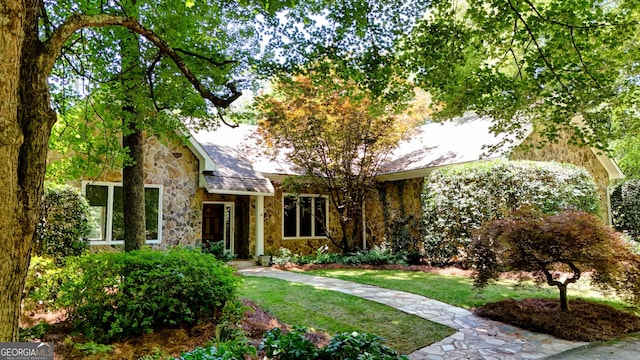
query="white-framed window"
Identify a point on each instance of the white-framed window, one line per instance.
(304, 216)
(106, 205)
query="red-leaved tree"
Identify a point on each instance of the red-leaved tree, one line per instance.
(556, 249)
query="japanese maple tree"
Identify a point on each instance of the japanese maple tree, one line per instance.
(556, 249)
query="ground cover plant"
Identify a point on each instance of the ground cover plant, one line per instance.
(336, 313)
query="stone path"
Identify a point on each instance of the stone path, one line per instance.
(476, 337)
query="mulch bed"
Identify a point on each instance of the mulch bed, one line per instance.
(171, 342)
(586, 321)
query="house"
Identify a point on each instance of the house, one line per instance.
(223, 185)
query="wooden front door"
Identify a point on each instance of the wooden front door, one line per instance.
(217, 224)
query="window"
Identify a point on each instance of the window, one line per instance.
(106, 206)
(304, 216)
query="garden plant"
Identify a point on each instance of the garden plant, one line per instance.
(556, 249)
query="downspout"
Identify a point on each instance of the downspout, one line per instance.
(259, 226)
(364, 226)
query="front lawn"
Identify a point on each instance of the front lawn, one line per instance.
(335, 312)
(458, 290)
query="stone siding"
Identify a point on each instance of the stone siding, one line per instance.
(394, 214)
(171, 164)
(564, 152)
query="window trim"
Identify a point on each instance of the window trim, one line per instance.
(109, 215)
(313, 223)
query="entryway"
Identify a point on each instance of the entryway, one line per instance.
(218, 224)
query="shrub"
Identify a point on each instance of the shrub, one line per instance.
(358, 346)
(555, 249)
(218, 251)
(65, 223)
(295, 346)
(625, 208)
(231, 350)
(119, 295)
(375, 256)
(290, 346)
(42, 283)
(458, 199)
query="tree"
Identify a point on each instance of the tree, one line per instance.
(182, 40)
(339, 135)
(556, 249)
(569, 67)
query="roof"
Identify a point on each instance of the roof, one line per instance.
(244, 165)
(235, 172)
(459, 140)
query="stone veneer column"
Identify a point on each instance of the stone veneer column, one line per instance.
(259, 225)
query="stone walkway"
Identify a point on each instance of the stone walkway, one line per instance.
(476, 337)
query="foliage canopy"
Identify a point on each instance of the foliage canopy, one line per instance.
(563, 64)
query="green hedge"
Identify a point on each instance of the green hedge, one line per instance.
(458, 199)
(65, 223)
(119, 295)
(625, 208)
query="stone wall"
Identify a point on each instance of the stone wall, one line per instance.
(394, 213)
(171, 164)
(568, 153)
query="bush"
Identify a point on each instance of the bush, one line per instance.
(231, 350)
(218, 251)
(42, 283)
(358, 346)
(65, 223)
(119, 295)
(295, 346)
(290, 346)
(625, 208)
(458, 199)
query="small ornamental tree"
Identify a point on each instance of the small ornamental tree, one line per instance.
(338, 134)
(556, 249)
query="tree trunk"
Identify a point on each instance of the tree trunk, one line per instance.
(11, 233)
(564, 302)
(133, 192)
(25, 119)
(135, 232)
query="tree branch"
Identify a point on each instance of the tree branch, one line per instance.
(542, 55)
(209, 60)
(76, 22)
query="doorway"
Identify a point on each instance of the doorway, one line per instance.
(218, 224)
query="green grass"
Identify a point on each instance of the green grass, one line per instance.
(334, 312)
(458, 290)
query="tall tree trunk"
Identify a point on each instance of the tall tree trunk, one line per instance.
(135, 232)
(26, 119)
(133, 191)
(11, 230)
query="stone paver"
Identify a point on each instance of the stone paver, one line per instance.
(476, 338)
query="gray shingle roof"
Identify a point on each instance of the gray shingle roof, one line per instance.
(243, 164)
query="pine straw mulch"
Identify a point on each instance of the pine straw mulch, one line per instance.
(586, 321)
(172, 342)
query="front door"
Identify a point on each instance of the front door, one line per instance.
(217, 224)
